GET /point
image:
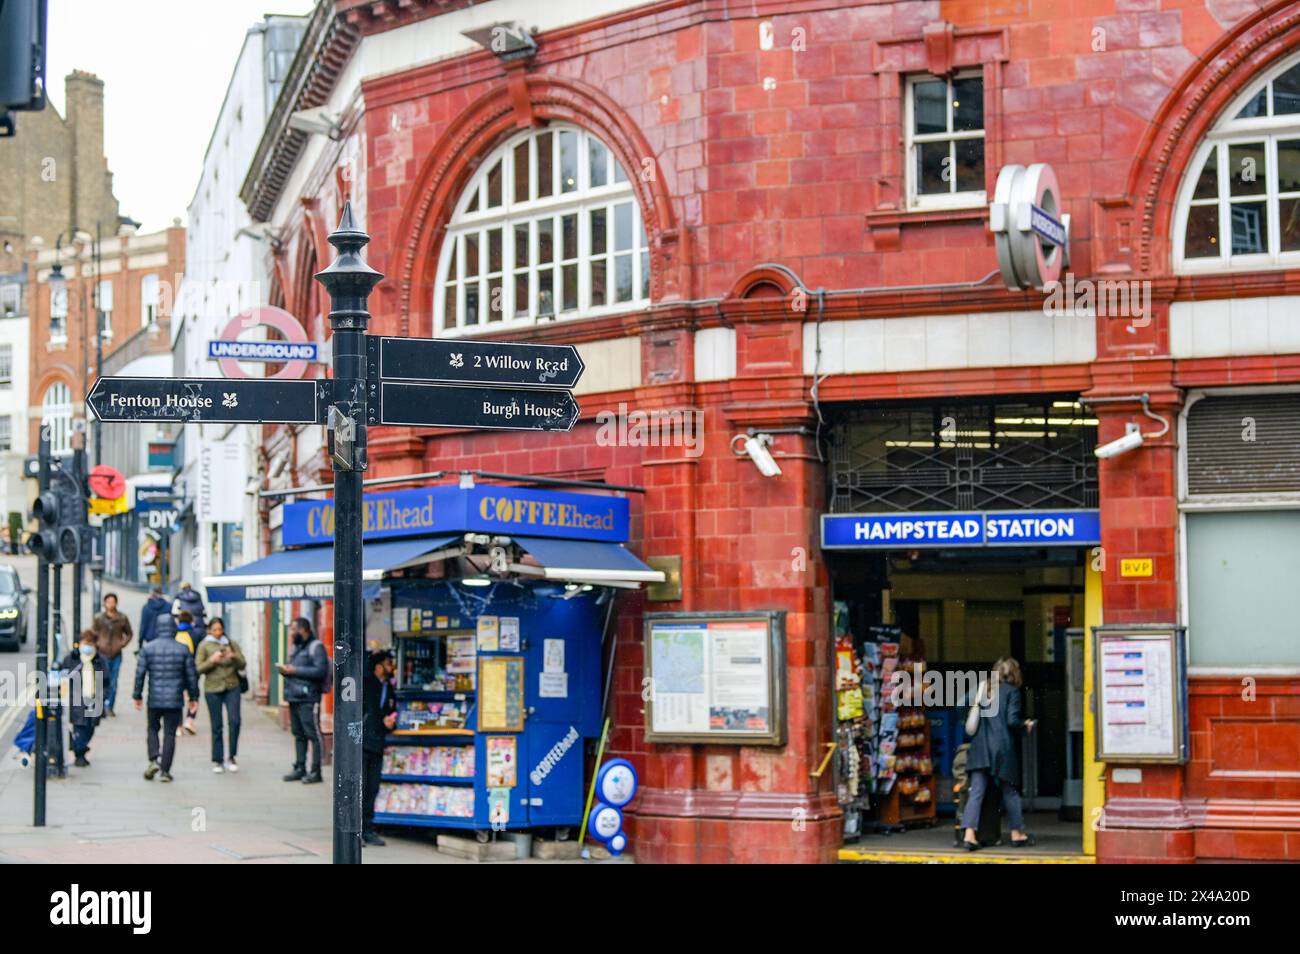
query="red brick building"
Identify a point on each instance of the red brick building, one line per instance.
(778, 215)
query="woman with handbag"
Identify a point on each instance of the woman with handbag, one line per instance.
(220, 662)
(994, 720)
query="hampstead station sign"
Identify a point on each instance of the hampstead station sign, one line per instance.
(992, 528)
(518, 511)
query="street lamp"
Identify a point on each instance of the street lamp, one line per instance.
(58, 286)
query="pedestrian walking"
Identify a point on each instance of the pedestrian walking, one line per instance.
(221, 663)
(188, 599)
(154, 607)
(167, 666)
(379, 715)
(992, 758)
(86, 681)
(113, 634)
(304, 674)
(186, 636)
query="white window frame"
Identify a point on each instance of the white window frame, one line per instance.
(953, 199)
(7, 353)
(149, 309)
(11, 296)
(1219, 503)
(58, 416)
(1226, 132)
(580, 202)
(106, 326)
(6, 433)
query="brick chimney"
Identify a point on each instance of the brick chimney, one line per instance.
(92, 188)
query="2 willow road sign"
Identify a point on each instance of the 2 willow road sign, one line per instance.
(216, 400)
(434, 360)
(413, 382)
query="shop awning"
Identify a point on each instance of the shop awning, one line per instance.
(308, 574)
(586, 561)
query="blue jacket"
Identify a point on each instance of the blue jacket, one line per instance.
(190, 601)
(312, 665)
(169, 667)
(153, 608)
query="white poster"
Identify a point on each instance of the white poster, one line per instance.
(553, 655)
(222, 473)
(553, 685)
(1137, 692)
(510, 634)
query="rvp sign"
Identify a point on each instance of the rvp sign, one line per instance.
(163, 520)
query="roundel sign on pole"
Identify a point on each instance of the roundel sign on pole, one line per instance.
(1031, 234)
(295, 351)
(107, 482)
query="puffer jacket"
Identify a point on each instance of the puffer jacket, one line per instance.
(155, 607)
(164, 627)
(190, 601)
(170, 670)
(218, 676)
(311, 663)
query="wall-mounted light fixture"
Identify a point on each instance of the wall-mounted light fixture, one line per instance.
(509, 39)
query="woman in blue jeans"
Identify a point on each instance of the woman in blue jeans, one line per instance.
(219, 661)
(993, 754)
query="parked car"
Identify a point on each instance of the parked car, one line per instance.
(13, 609)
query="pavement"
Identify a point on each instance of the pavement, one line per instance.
(108, 813)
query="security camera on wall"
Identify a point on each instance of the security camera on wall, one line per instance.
(1131, 440)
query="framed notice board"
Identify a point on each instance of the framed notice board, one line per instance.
(1140, 688)
(501, 694)
(716, 677)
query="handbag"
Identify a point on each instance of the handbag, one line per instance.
(973, 716)
(243, 684)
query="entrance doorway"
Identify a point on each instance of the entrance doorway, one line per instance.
(955, 612)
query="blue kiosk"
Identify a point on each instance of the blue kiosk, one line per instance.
(499, 600)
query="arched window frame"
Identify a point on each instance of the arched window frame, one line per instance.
(56, 413)
(473, 219)
(1227, 132)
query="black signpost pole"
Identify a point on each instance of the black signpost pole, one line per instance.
(348, 281)
(43, 694)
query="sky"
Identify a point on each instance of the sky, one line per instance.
(165, 66)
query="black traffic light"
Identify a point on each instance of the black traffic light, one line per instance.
(44, 542)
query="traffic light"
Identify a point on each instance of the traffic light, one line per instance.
(44, 541)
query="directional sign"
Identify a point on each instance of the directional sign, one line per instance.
(445, 405)
(479, 362)
(234, 401)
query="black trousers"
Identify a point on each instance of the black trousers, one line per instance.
(372, 764)
(305, 726)
(169, 720)
(229, 699)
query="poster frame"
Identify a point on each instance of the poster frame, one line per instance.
(774, 620)
(1177, 635)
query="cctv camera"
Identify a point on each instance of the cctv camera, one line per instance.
(1131, 440)
(756, 447)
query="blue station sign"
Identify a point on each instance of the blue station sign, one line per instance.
(988, 528)
(264, 350)
(512, 511)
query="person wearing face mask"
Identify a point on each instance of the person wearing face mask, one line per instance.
(88, 681)
(304, 674)
(220, 661)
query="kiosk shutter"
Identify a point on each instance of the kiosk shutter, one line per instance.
(1244, 444)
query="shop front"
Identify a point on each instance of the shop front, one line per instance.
(958, 534)
(497, 602)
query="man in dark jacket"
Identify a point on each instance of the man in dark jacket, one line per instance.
(304, 674)
(154, 607)
(169, 668)
(379, 714)
(188, 599)
(88, 677)
(114, 634)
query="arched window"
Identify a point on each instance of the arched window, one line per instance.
(56, 414)
(1240, 204)
(548, 228)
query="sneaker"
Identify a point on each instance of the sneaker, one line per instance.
(81, 762)
(372, 838)
(189, 727)
(178, 732)
(151, 771)
(312, 779)
(217, 768)
(165, 777)
(295, 776)
(232, 765)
